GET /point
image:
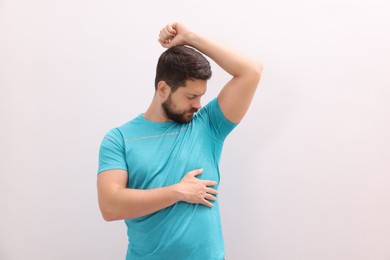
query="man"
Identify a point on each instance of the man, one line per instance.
(160, 171)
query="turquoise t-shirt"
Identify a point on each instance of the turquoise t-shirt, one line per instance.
(157, 154)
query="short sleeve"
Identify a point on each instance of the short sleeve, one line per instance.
(112, 152)
(214, 120)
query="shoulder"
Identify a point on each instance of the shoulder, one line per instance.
(124, 129)
(212, 111)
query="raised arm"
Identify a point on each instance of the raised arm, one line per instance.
(236, 96)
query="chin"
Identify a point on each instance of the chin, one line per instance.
(190, 117)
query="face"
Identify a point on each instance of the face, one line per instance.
(181, 105)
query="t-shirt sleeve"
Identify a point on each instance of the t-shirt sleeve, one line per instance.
(214, 120)
(112, 152)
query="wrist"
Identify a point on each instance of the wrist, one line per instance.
(175, 191)
(191, 39)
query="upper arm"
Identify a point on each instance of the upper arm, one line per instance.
(108, 182)
(236, 96)
(112, 179)
(112, 152)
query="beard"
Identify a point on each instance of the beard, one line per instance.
(181, 118)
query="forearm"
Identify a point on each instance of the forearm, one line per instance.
(228, 59)
(132, 203)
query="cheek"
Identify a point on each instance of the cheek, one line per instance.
(180, 106)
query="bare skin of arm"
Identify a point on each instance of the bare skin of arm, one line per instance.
(236, 96)
(117, 202)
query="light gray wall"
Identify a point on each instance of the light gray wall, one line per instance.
(305, 176)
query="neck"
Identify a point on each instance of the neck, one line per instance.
(155, 112)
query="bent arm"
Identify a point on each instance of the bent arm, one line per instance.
(236, 96)
(118, 202)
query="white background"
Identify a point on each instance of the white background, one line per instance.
(305, 176)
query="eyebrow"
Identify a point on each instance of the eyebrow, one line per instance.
(193, 94)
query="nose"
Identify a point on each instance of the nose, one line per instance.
(196, 105)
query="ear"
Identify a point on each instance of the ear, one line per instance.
(163, 89)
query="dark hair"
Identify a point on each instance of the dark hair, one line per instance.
(178, 64)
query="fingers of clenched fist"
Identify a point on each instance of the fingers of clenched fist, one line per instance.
(167, 33)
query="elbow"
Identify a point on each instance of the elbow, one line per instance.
(109, 214)
(258, 70)
(108, 218)
(112, 214)
(254, 71)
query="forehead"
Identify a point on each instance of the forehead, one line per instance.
(194, 87)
